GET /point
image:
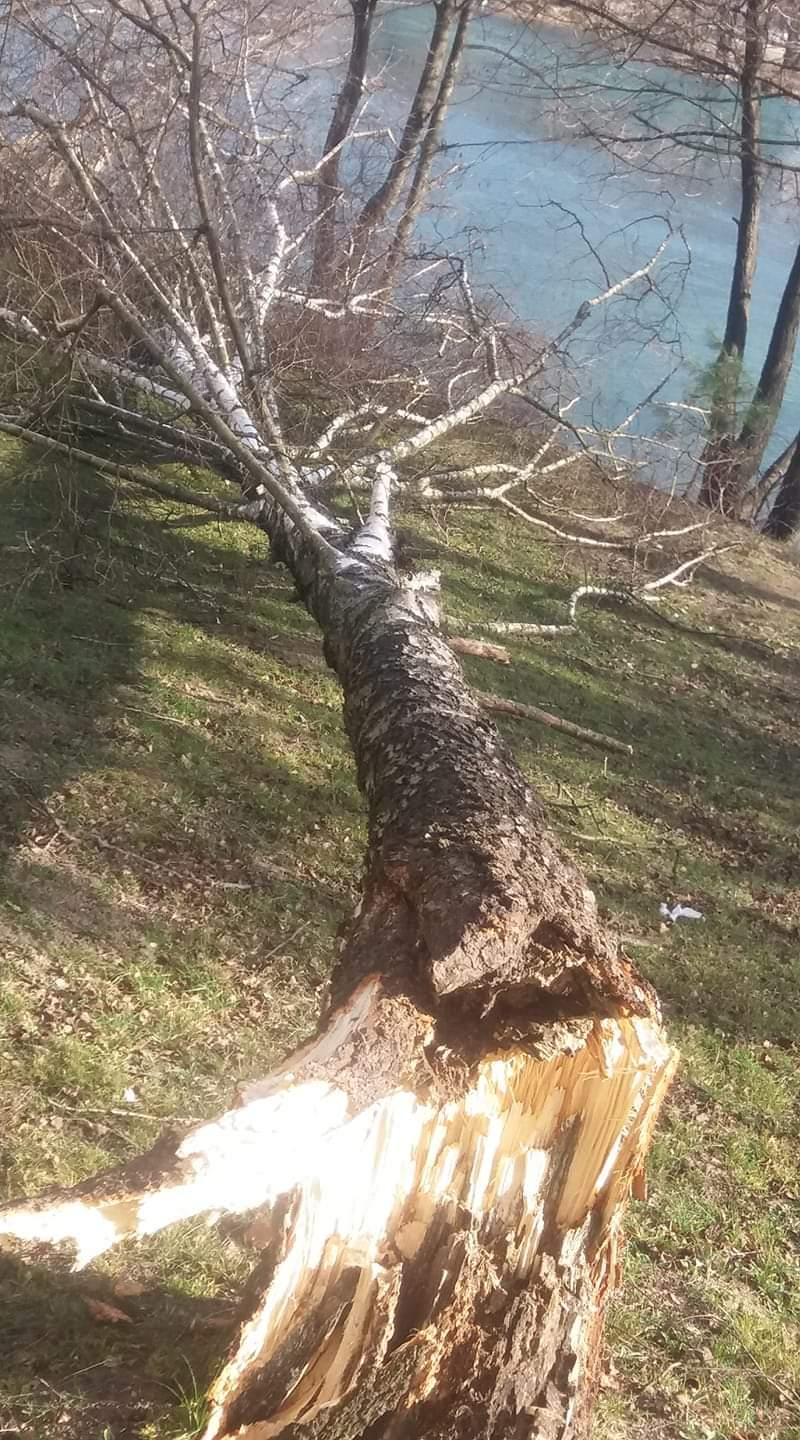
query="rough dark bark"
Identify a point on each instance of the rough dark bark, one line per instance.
(783, 521)
(765, 407)
(347, 101)
(751, 181)
(715, 487)
(464, 888)
(763, 493)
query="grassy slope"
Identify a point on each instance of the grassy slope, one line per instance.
(180, 835)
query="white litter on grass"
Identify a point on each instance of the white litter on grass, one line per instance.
(130, 1097)
(679, 912)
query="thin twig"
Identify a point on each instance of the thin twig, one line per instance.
(498, 705)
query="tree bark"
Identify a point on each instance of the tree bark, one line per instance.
(765, 407)
(764, 491)
(716, 459)
(791, 54)
(783, 521)
(344, 110)
(751, 181)
(386, 196)
(440, 1177)
(439, 1222)
(422, 171)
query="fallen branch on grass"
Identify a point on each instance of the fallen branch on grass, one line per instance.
(133, 475)
(499, 495)
(645, 594)
(498, 705)
(482, 649)
(524, 627)
(683, 574)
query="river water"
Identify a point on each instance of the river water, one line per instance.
(517, 159)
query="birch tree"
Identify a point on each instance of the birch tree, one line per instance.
(437, 1180)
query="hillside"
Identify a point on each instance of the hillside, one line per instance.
(180, 836)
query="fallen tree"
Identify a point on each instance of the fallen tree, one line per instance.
(437, 1181)
(440, 1177)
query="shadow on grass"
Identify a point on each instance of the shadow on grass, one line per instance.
(120, 1371)
(80, 574)
(743, 587)
(184, 818)
(62, 648)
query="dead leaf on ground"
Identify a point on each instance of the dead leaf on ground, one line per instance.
(105, 1313)
(128, 1287)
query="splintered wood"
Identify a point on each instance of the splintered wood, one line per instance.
(413, 1244)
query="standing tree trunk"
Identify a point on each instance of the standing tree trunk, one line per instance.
(388, 193)
(783, 520)
(766, 403)
(440, 1177)
(422, 173)
(716, 459)
(764, 491)
(791, 54)
(344, 111)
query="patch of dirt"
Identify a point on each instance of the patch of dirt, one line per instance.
(56, 888)
(780, 907)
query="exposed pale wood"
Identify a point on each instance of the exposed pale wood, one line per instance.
(414, 1218)
(480, 648)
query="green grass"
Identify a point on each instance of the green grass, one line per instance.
(181, 835)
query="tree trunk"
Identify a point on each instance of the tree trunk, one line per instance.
(439, 1217)
(791, 54)
(771, 479)
(422, 172)
(716, 464)
(440, 1176)
(783, 520)
(751, 179)
(386, 196)
(344, 111)
(765, 407)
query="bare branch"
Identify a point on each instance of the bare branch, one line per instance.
(135, 476)
(498, 705)
(459, 416)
